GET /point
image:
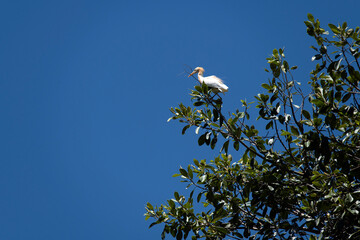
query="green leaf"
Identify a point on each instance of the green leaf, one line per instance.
(205, 87)
(269, 125)
(199, 197)
(225, 147)
(179, 235)
(183, 172)
(199, 103)
(344, 25)
(316, 57)
(306, 114)
(208, 138)
(318, 102)
(281, 51)
(202, 139)
(213, 142)
(236, 145)
(190, 172)
(281, 119)
(215, 114)
(266, 86)
(310, 31)
(334, 29)
(317, 121)
(275, 52)
(346, 97)
(184, 129)
(196, 162)
(177, 196)
(153, 224)
(294, 130)
(285, 133)
(310, 17)
(285, 66)
(171, 203)
(198, 88)
(308, 24)
(149, 206)
(323, 49)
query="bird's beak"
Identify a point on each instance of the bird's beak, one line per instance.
(192, 73)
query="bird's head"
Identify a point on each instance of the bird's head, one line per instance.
(197, 70)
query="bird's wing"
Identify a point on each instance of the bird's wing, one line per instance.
(214, 78)
(215, 82)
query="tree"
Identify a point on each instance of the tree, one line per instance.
(299, 178)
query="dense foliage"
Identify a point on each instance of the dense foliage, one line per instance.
(299, 177)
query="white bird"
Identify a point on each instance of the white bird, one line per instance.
(212, 81)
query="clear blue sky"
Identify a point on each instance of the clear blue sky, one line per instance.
(85, 92)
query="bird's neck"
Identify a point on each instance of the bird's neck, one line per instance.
(200, 77)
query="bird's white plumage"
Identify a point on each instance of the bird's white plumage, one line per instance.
(212, 81)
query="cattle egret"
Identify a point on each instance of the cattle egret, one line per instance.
(212, 81)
